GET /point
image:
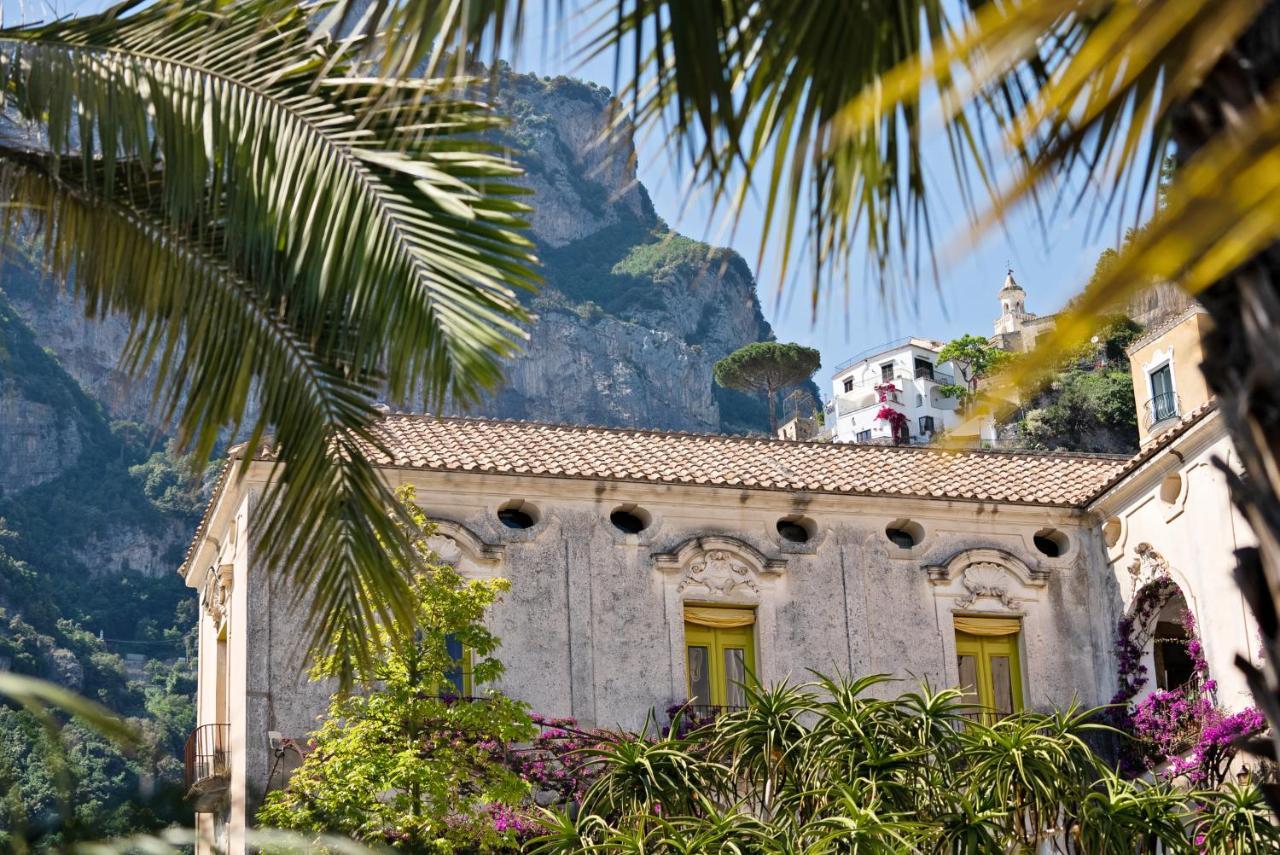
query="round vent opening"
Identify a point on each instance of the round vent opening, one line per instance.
(518, 515)
(1111, 531)
(1051, 542)
(796, 529)
(630, 519)
(904, 534)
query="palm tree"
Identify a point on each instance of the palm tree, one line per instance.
(818, 107)
(289, 241)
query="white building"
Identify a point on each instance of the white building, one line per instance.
(901, 376)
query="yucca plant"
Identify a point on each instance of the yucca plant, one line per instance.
(923, 778)
(291, 241)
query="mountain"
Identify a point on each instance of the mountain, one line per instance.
(628, 323)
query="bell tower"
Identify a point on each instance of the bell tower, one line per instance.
(1013, 306)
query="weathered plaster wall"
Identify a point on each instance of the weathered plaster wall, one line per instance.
(593, 627)
(1178, 504)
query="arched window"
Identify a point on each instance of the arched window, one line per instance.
(1174, 664)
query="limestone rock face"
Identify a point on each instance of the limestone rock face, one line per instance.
(629, 321)
(35, 444)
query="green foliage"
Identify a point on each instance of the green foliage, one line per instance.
(406, 762)
(168, 482)
(767, 367)
(974, 359)
(1088, 403)
(1084, 411)
(830, 767)
(671, 252)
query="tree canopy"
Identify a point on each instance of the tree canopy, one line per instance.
(767, 367)
(411, 762)
(975, 359)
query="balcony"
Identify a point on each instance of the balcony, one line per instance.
(207, 766)
(1162, 408)
(933, 375)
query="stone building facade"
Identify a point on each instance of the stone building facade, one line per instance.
(630, 552)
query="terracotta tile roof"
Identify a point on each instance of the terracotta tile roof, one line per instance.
(1161, 442)
(448, 444)
(528, 448)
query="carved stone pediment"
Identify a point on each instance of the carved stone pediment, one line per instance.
(216, 592)
(454, 543)
(1147, 566)
(717, 574)
(986, 580)
(445, 548)
(719, 568)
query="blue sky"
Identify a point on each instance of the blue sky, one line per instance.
(1051, 264)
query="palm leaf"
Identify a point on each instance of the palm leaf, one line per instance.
(285, 238)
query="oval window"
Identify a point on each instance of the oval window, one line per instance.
(518, 515)
(905, 534)
(629, 519)
(1051, 542)
(796, 529)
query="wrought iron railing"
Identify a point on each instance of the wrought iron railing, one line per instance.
(207, 754)
(935, 375)
(703, 712)
(1161, 408)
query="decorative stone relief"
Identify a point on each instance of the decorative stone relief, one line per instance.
(460, 547)
(986, 580)
(718, 574)
(1147, 566)
(718, 568)
(445, 548)
(216, 594)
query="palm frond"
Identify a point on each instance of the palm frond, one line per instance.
(278, 236)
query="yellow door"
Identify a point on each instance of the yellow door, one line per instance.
(990, 673)
(720, 660)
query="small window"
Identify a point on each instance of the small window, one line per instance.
(1171, 488)
(848, 384)
(926, 425)
(1051, 542)
(720, 657)
(518, 515)
(919, 400)
(458, 677)
(796, 529)
(886, 372)
(862, 436)
(924, 368)
(905, 534)
(630, 519)
(1164, 404)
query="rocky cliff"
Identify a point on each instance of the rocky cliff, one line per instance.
(627, 325)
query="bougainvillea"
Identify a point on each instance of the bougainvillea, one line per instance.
(1182, 729)
(897, 422)
(557, 765)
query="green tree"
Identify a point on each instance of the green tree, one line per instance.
(975, 359)
(767, 367)
(406, 762)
